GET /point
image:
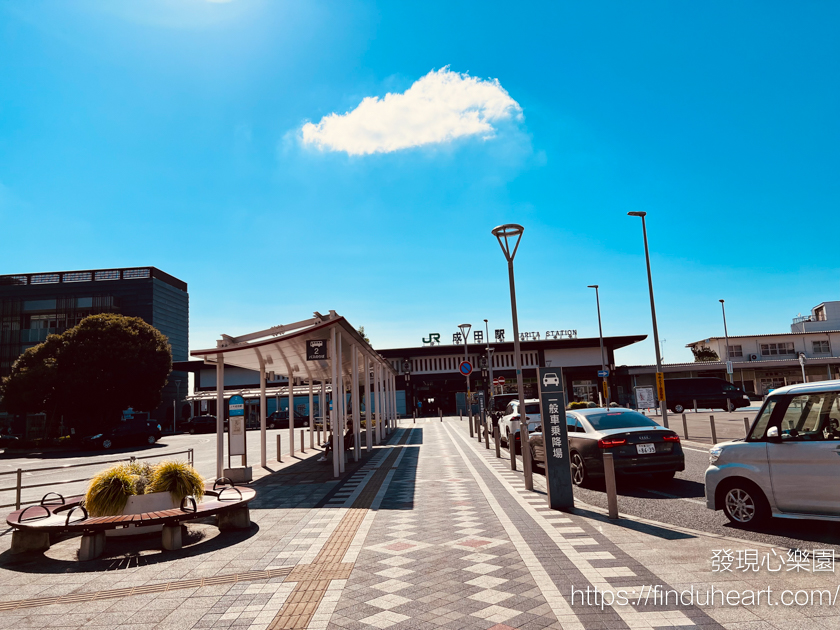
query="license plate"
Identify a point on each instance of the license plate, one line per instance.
(645, 449)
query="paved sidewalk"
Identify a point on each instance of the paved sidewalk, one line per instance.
(429, 531)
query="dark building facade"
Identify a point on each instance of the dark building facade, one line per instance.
(34, 305)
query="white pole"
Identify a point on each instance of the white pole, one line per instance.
(311, 419)
(263, 456)
(333, 411)
(357, 408)
(342, 413)
(394, 398)
(220, 414)
(291, 411)
(386, 405)
(322, 404)
(377, 386)
(368, 406)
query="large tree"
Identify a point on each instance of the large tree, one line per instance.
(92, 372)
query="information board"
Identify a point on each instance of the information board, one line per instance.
(645, 398)
(236, 427)
(316, 349)
(558, 473)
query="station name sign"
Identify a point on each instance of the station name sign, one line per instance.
(316, 349)
(478, 336)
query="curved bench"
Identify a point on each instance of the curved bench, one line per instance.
(34, 524)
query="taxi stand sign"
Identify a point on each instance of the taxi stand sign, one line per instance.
(660, 386)
(236, 429)
(558, 473)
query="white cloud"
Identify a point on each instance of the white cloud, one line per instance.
(440, 107)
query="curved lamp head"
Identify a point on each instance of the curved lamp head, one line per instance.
(465, 330)
(637, 214)
(721, 301)
(591, 286)
(505, 233)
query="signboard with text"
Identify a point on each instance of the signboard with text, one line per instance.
(316, 349)
(236, 427)
(645, 398)
(660, 386)
(558, 473)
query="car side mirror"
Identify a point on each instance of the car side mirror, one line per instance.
(773, 434)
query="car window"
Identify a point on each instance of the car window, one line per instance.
(532, 408)
(509, 409)
(760, 426)
(619, 420)
(811, 417)
(579, 427)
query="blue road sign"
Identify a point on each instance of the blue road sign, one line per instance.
(603, 373)
(236, 406)
(465, 368)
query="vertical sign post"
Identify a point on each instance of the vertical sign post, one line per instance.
(236, 430)
(558, 474)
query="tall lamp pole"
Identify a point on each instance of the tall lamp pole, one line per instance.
(505, 234)
(659, 375)
(726, 336)
(491, 388)
(604, 383)
(465, 331)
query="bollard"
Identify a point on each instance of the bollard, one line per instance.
(714, 433)
(486, 438)
(472, 430)
(18, 488)
(498, 441)
(460, 416)
(441, 414)
(414, 414)
(609, 481)
(685, 428)
(302, 449)
(477, 421)
(695, 405)
(279, 448)
(512, 450)
(746, 427)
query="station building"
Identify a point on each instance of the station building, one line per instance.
(34, 305)
(767, 361)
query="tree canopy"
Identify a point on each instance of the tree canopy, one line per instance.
(91, 372)
(704, 355)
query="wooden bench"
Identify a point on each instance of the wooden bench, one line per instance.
(34, 524)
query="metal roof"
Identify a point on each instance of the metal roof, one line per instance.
(784, 334)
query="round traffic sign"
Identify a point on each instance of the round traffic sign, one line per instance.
(465, 368)
(496, 381)
(501, 380)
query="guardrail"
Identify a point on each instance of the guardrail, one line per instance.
(19, 487)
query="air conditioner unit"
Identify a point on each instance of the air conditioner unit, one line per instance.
(753, 357)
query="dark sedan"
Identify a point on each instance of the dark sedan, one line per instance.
(202, 424)
(638, 444)
(126, 432)
(280, 420)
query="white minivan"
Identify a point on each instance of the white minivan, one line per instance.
(789, 464)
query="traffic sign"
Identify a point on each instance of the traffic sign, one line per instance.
(465, 368)
(660, 386)
(501, 380)
(236, 406)
(603, 373)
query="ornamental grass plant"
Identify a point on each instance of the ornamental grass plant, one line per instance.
(109, 490)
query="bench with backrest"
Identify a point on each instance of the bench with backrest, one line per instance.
(55, 515)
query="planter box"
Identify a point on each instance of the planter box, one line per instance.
(140, 503)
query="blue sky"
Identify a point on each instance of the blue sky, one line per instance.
(172, 133)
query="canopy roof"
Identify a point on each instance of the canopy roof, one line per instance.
(282, 349)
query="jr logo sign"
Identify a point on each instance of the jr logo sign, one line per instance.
(434, 338)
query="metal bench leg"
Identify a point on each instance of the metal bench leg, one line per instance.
(92, 546)
(24, 540)
(239, 518)
(172, 537)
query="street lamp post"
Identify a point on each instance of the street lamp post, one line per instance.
(659, 375)
(465, 331)
(490, 389)
(505, 234)
(605, 382)
(726, 337)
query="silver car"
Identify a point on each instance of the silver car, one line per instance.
(789, 464)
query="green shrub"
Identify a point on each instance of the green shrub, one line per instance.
(178, 479)
(577, 405)
(109, 490)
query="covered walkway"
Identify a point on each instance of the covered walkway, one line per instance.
(326, 352)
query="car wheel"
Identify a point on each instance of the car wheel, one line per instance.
(192, 431)
(151, 440)
(106, 444)
(744, 504)
(579, 476)
(678, 409)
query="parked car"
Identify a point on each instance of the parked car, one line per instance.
(787, 465)
(638, 444)
(714, 393)
(280, 419)
(129, 431)
(202, 424)
(500, 403)
(509, 422)
(9, 441)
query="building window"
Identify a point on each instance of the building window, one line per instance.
(130, 274)
(821, 347)
(776, 349)
(735, 351)
(109, 274)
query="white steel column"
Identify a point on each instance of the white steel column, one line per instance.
(394, 399)
(357, 421)
(262, 414)
(378, 373)
(334, 410)
(342, 405)
(311, 419)
(322, 407)
(291, 412)
(386, 391)
(220, 414)
(368, 407)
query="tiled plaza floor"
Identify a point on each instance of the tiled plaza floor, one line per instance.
(427, 531)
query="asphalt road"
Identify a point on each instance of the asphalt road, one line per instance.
(204, 453)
